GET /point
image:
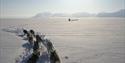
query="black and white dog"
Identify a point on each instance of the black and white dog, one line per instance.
(34, 57)
(30, 36)
(54, 58)
(36, 51)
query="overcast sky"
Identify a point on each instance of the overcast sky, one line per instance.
(28, 8)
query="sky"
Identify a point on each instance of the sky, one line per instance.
(28, 8)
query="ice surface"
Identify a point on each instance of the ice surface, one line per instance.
(89, 40)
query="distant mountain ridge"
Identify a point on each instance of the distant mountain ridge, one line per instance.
(42, 15)
(120, 13)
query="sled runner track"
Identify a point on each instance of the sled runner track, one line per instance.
(14, 29)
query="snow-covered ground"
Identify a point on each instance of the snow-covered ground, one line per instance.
(88, 40)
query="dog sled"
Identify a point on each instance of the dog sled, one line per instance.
(38, 44)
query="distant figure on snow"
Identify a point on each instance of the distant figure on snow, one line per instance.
(69, 19)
